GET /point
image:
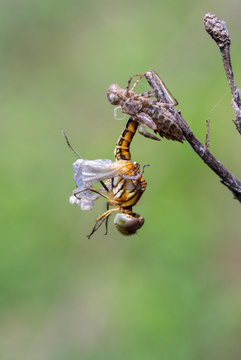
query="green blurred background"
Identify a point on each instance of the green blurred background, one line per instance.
(173, 291)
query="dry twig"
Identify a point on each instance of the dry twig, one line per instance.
(218, 31)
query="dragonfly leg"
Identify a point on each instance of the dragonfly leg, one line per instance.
(100, 220)
(104, 186)
(107, 219)
(166, 104)
(140, 76)
(94, 190)
(148, 94)
(96, 227)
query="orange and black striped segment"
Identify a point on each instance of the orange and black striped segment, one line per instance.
(127, 192)
(122, 149)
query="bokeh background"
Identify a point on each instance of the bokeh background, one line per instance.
(174, 290)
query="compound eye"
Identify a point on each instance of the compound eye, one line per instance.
(128, 224)
(111, 94)
(113, 99)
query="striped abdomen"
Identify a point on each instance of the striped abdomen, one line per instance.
(122, 149)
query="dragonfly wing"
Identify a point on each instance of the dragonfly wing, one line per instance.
(84, 199)
(86, 174)
(89, 172)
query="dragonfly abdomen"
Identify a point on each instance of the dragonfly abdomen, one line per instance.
(122, 149)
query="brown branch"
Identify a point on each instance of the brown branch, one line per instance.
(232, 183)
(227, 179)
(219, 33)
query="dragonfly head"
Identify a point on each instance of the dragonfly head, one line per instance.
(113, 94)
(128, 224)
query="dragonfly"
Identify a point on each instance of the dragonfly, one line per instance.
(155, 114)
(122, 184)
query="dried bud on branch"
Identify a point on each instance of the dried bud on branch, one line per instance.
(217, 30)
(219, 33)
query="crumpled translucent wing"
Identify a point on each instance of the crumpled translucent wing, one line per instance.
(87, 173)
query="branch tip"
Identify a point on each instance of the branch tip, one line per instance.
(217, 30)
